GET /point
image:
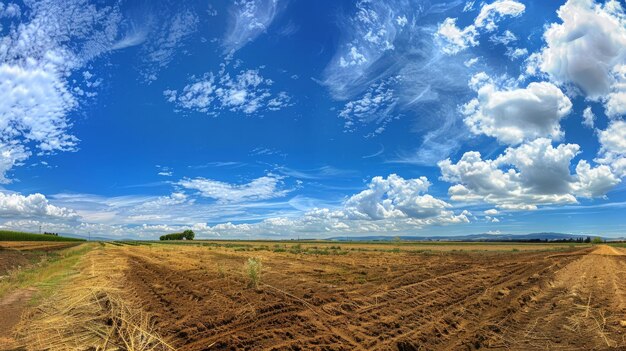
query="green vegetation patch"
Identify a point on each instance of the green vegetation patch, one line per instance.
(7, 235)
(53, 268)
(186, 235)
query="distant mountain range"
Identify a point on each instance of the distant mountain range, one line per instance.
(470, 237)
(473, 237)
(92, 238)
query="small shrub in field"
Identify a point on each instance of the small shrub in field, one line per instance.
(252, 270)
(296, 249)
(221, 272)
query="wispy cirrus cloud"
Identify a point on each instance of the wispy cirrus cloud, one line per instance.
(165, 39)
(323, 172)
(377, 106)
(388, 66)
(181, 208)
(263, 188)
(249, 19)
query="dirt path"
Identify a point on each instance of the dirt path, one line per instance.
(11, 308)
(608, 250)
(583, 308)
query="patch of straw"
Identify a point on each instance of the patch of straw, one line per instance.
(89, 318)
(90, 313)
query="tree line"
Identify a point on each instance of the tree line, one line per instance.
(587, 240)
(186, 235)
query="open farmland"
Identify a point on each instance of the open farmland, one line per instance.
(8, 235)
(35, 245)
(343, 297)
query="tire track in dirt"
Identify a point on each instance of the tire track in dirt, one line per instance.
(470, 323)
(581, 309)
(409, 302)
(232, 315)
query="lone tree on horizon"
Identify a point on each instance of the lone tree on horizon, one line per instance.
(189, 234)
(186, 235)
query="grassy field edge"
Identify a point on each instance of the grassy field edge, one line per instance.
(9, 235)
(48, 273)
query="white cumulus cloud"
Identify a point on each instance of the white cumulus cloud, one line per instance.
(515, 115)
(396, 197)
(490, 14)
(37, 58)
(17, 206)
(613, 147)
(588, 117)
(388, 205)
(588, 50)
(453, 39)
(532, 174)
(246, 92)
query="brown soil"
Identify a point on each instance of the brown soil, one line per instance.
(36, 245)
(11, 260)
(20, 254)
(526, 300)
(402, 245)
(11, 308)
(15, 256)
(583, 308)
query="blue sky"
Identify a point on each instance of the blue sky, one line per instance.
(282, 119)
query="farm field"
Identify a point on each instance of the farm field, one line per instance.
(332, 296)
(415, 246)
(9, 235)
(35, 245)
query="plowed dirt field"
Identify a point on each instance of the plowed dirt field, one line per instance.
(200, 298)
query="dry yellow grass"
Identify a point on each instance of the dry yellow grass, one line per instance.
(89, 318)
(89, 312)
